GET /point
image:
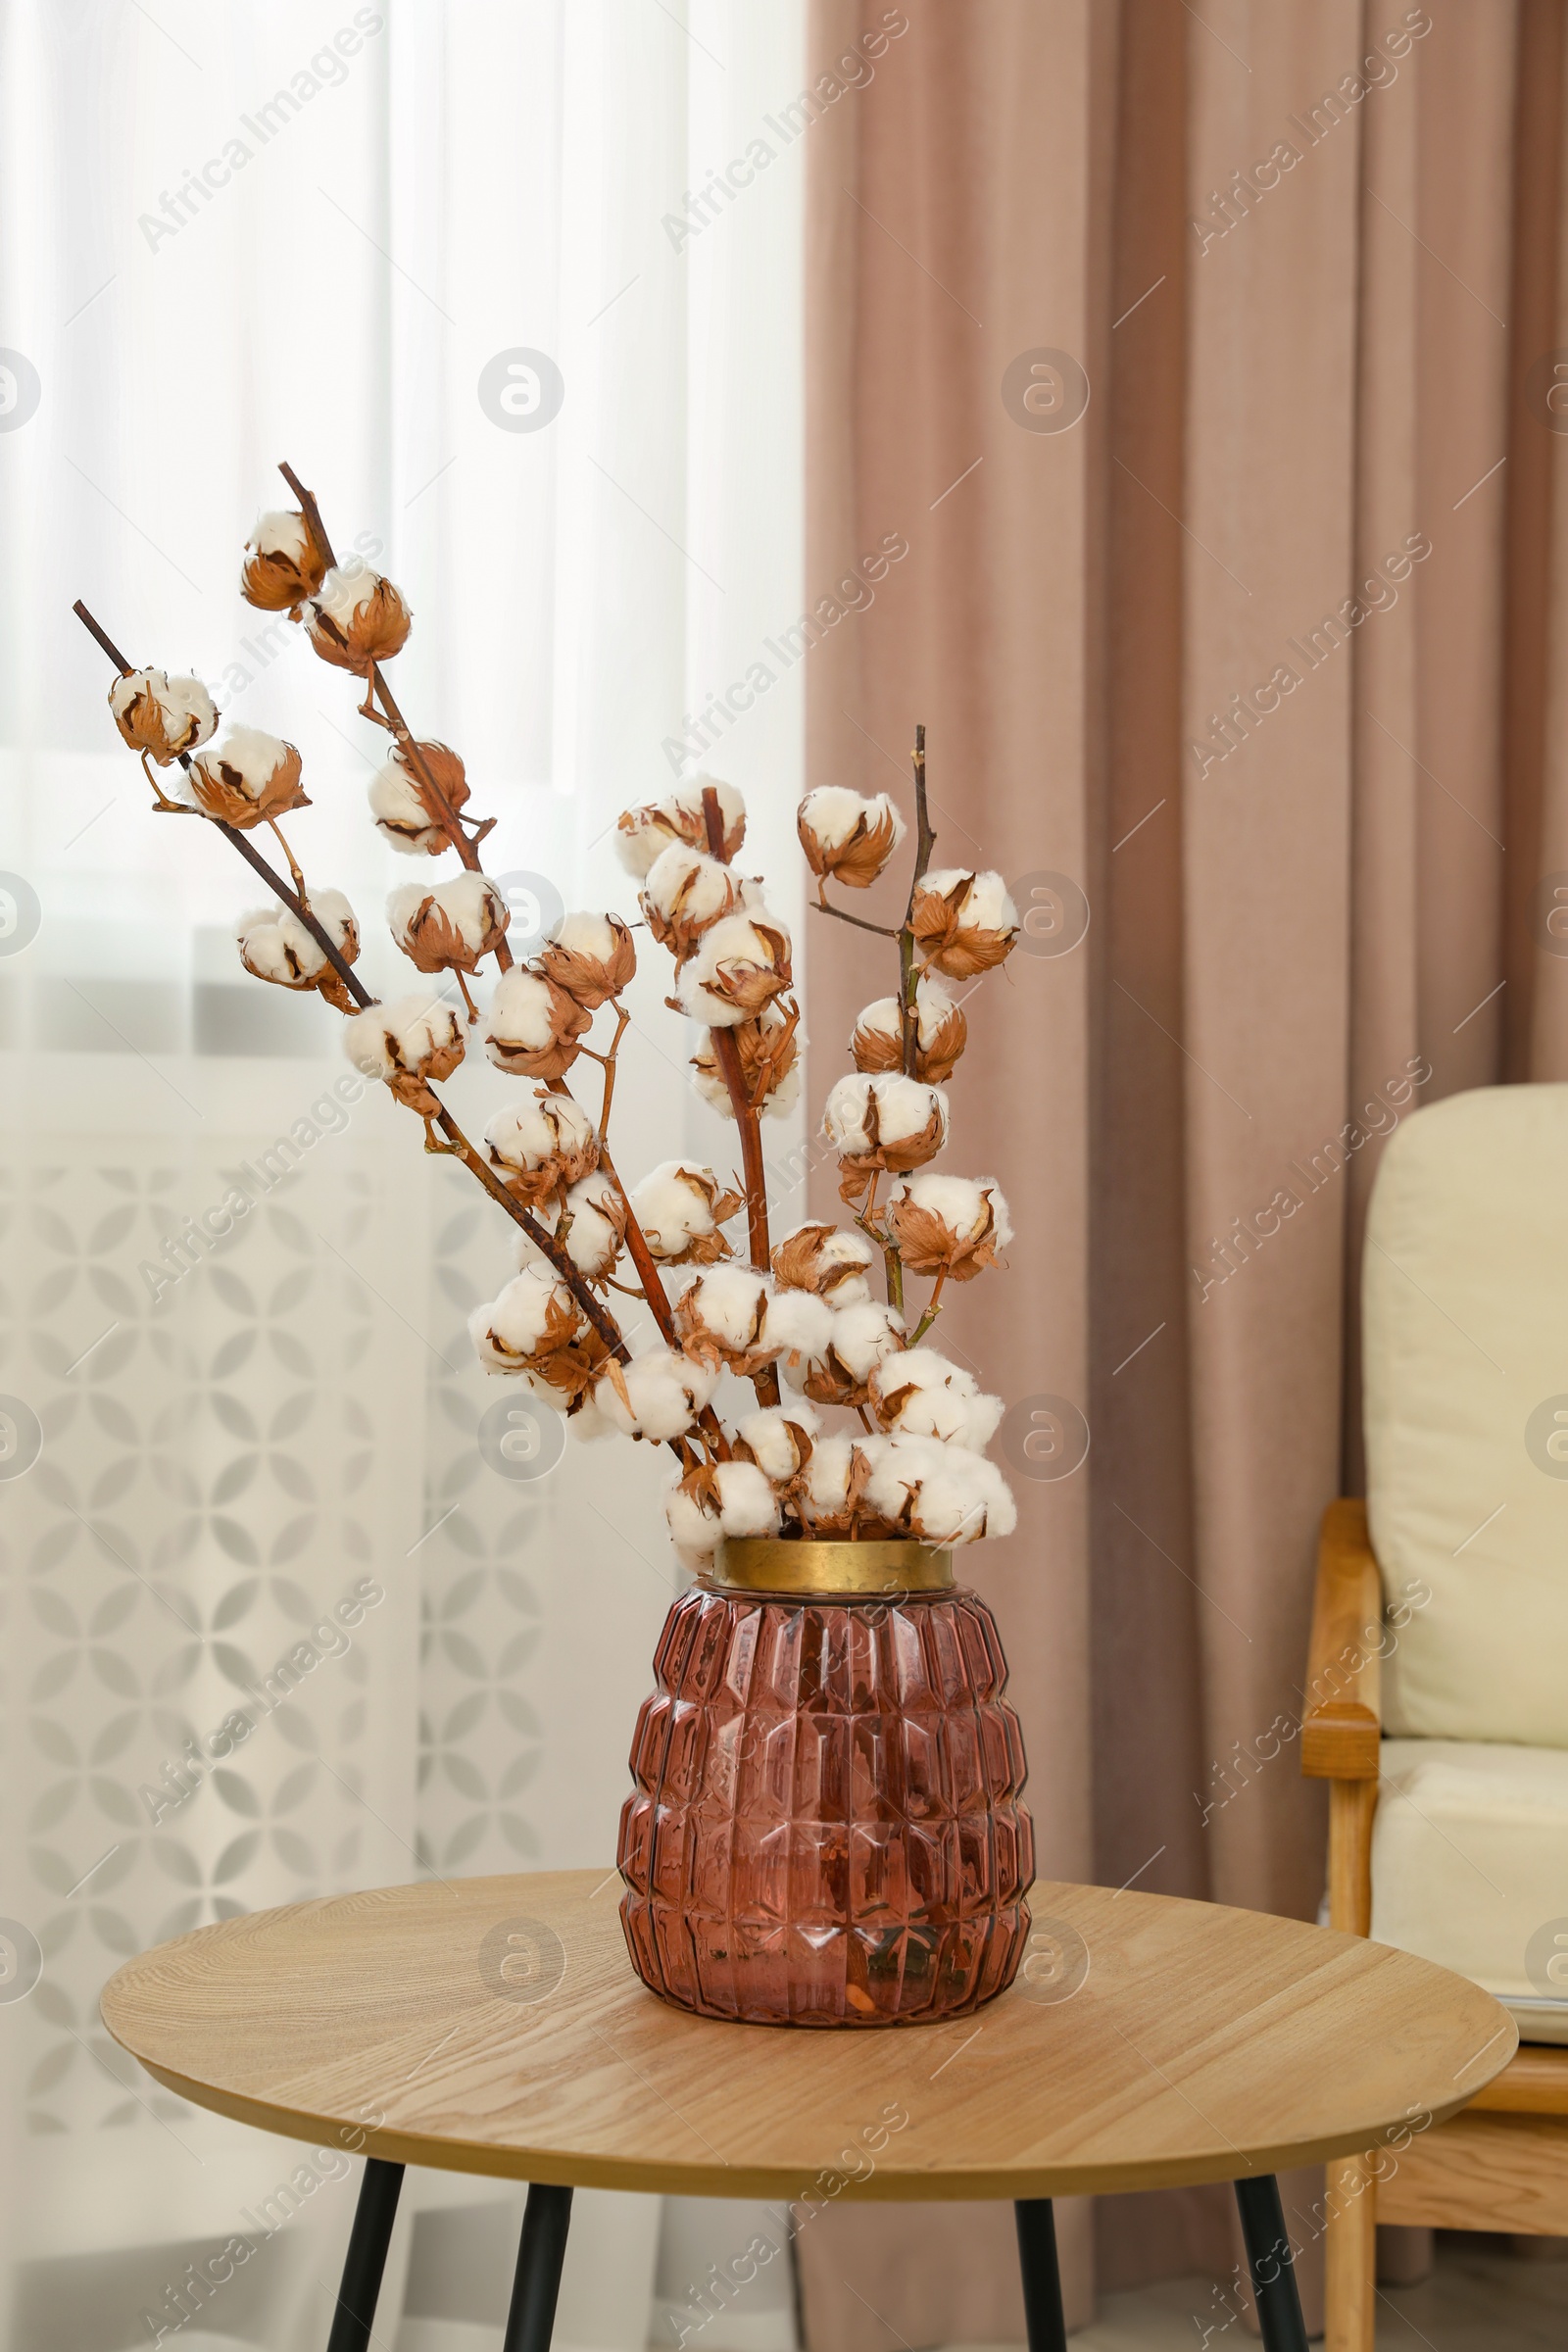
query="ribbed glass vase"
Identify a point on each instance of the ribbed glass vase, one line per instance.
(825, 1826)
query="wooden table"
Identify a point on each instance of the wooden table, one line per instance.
(494, 2025)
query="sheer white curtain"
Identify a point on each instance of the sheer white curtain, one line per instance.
(335, 235)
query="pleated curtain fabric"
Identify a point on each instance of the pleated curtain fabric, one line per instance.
(1202, 367)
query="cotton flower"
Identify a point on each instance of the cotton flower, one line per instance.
(771, 1063)
(679, 1206)
(952, 1225)
(535, 1315)
(941, 1035)
(357, 618)
(282, 565)
(409, 1043)
(820, 1258)
(837, 1371)
(643, 834)
(656, 1395)
(964, 923)
(592, 1225)
(451, 927)
(591, 956)
(778, 1439)
(921, 1394)
(405, 811)
(941, 1495)
(686, 892)
(275, 945)
(717, 1500)
(746, 1502)
(691, 1512)
(732, 1316)
(534, 1027)
(739, 966)
(830, 1496)
(247, 779)
(542, 1145)
(888, 1122)
(846, 837)
(160, 714)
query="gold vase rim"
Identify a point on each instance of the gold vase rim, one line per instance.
(832, 1570)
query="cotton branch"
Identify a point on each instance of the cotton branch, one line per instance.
(908, 979)
(603, 1323)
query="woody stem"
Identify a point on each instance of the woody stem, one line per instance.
(933, 1308)
(623, 1016)
(909, 977)
(293, 862)
(728, 1053)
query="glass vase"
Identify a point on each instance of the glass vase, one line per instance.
(825, 1825)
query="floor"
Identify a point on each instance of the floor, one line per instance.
(1480, 2298)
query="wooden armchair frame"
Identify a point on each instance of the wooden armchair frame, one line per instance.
(1503, 2162)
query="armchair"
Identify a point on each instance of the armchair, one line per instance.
(1437, 1698)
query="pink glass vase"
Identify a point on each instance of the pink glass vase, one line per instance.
(825, 1826)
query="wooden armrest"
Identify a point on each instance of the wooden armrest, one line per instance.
(1340, 1727)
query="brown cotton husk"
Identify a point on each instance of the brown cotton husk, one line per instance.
(958, 949)
(856, 862)
(433, 943)
(567, 1023)
(928, 1244)
(378, 629)
(875, 1052)
(856, 1168)
(591, 980)
(219, 790)
(275, 582)
(573, 1368)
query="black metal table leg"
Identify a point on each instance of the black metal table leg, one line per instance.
(365, 2259)
(1272, 2263)
(540, 2255)
(1042, 2274)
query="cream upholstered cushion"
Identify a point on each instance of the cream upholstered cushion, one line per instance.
(1470, 1868)
(1465, 1323)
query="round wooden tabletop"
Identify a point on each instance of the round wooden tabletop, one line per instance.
(495, 2025)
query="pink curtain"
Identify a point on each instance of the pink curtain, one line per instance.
(1200, 367)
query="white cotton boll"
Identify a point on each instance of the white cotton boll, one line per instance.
(406, 1035)
(401, 815)
(188, 713)
(694, 1528)
(522, 1011)
(740, 966)
(597, 1225)
(729, 1302)
(666, 1392)
(534, 1313)
(904, 1108)
(961, 1497)
(833, 811)
(346, 587)
(640, 838)
(921, 1394)
(961, 1201)
(798, 1323)
(588, 1424)
(275, 944)
(987, 904)
(687, 801)
(255, 756)
(747, 1503)
(282, 531)
(543, 1129)
(827, 1477)
(768, 1433)
(859, 1337)
(680, 1206)
(689, 884)
(470, 903)
(821, 1259)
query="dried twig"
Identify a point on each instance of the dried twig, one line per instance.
(727, 1054)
